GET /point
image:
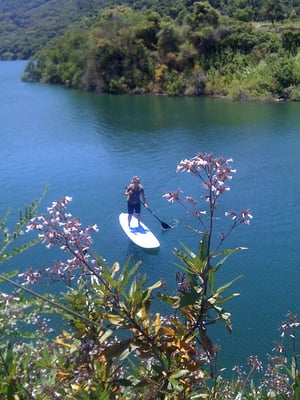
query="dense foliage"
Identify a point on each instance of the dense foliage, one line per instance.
(111, 340)
(238, 49)
(26, 26)
(189, 49)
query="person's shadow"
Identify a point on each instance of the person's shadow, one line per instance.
(138, 229)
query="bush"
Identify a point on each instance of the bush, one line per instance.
(113, 343)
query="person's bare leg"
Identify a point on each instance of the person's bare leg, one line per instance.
(129, 219)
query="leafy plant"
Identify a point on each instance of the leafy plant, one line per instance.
(112, 341)
(199, 301)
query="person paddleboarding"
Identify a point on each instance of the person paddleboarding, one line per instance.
(134, 191)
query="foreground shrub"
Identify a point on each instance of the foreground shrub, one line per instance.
(113, 342)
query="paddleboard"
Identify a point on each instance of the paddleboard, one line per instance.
(138, 234)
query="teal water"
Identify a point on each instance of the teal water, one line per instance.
(89, 146)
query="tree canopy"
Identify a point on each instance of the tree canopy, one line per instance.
(26, 26)
(193, 51)
(240, 49)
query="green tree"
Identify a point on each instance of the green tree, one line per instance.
(245, 14)
(202, 14)
(168, 39)
(291, 41)
(272, 10)
(147, 30)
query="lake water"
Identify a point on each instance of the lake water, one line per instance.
(89, 146)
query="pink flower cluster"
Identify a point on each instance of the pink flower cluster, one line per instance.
(58, 228)
(214, 174)
(289, 327)
(243, 217)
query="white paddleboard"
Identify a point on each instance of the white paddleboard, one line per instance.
(139, 234)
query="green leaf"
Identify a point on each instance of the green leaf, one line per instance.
(203, 248)
(108, 278)
(114, 319)
(189, 299)
(9, 359)
(147, 293)
(75, 346)
(126, 276)
(297, 389)
(212, 280)
(11, 390)
(227, 298)
(115, 349)
(154, 286)
(115, 268)
(123, 382)
(227, 285)
(188, 251)
(195, 263)
(8, 275)
(227, 253)
(4, 219)
(184, 258)
(180, 373)
(169, 299)
(133, 288)
(17, 250)
(158, 369)
(166, 361)
(105, 335)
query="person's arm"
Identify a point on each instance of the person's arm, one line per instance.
(128, 191)
(144, 198)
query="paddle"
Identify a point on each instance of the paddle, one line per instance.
(163, 224)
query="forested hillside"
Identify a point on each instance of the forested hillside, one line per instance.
(189, 49)
(28, 25)
(238, 49)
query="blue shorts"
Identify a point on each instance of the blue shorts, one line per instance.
(134, 208)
